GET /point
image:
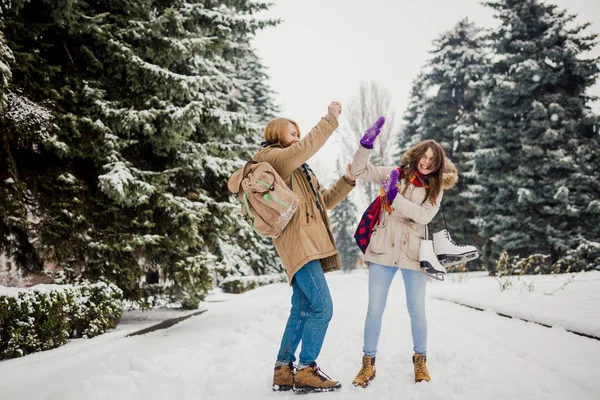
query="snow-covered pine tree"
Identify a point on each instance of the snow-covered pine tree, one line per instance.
(343, 225)
(254, 91)
(245, 251)
(6, 57)
(59, 63)
(13, 215)
(412, 130)
(535, 179)
(458, 70)
(149, 129)
(26, 128)
(188, 128)
(445, 106)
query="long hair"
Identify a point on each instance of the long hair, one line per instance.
(412, 158)
(276, 128)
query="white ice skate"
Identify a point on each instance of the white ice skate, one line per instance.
(430, 265)
(451, 253)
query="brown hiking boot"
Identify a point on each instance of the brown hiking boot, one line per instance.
(421, 373)
(366, 373)
(312, 379)
(283, 377)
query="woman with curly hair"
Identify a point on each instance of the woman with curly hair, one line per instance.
(412, 196)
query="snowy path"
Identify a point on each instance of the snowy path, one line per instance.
(228, 353)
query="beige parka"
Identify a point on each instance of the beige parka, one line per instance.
(308, 235)
(396, 239)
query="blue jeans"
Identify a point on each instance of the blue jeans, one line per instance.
(312, 309)
(380, 279)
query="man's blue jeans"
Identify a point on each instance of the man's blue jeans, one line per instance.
(380, 279)
(312, 309)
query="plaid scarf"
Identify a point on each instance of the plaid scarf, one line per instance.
(370, 217)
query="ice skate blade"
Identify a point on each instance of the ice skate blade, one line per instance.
(452, 259)
(438, 277)
(430, 271)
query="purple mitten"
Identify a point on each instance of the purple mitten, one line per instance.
(391, 190)
(371, 134)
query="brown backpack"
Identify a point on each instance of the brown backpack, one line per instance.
(268, 204)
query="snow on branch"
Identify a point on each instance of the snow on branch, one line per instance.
(28, 116)
(120, 185)
(6, 57)
(184, 87)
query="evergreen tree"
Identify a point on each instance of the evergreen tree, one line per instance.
(254, 92)
(148, 130)
(343, 225)
(458, 70)
(445, 106)
(245, 251)
(25, 127)
(6, 57)
(412, 131)
(536, 181)
(196, 137)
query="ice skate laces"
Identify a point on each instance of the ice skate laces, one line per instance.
(452, 241)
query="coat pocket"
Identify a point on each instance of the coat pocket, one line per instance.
(381, 240)
(306, 214)
(414, 245)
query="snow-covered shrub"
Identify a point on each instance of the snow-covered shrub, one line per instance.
(98, 307)
(156, 295)
(167, 294)
(45, 318)
(241, 284)
(585, 257)
(32, 322)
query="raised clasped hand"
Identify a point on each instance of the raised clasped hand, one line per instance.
(334, 109)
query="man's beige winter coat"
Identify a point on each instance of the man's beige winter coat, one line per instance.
(308, 236)
(395, 241)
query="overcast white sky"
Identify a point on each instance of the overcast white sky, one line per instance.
(323, 49)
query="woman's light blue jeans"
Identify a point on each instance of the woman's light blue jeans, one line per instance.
(380, 279)
(312, 309)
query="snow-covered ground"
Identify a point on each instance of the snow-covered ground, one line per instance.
(228, 352)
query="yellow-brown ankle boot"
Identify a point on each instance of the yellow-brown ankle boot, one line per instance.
(312, 379)
(283, 377)
(366, 373)
(421, 373)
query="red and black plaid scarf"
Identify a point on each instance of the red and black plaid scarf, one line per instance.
(370, 217)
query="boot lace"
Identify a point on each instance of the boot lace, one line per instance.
(452, 241)
(321, 375)
(420, 365)
(363, 373)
